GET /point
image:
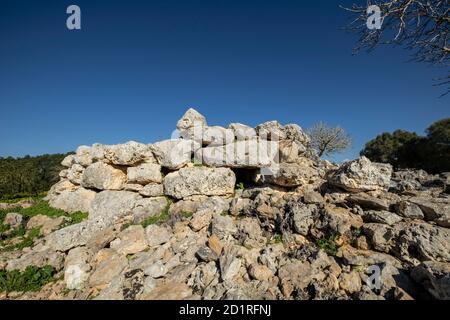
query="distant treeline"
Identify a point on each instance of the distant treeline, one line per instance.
(28, 176)
(405, 149)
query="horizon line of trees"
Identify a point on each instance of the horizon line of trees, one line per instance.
(408, 150)
(28, 176)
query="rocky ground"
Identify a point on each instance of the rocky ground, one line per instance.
(163, 225)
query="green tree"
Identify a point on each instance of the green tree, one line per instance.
(405, 149)
(28, 176)
(436, 150)
(394, 148)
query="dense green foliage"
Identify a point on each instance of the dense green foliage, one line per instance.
(28, 176)
(405, 149)
(31, 279)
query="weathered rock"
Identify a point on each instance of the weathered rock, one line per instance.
(296, 274)
(222, 226)
(434, 277)
(13, 219)
(109, 265)
(206, 254)
(157, 235)
(302, 217)
(156, 270)
(133, 187)
(350, 282)
(437, 210)
(77, 268)
(409, 210)
(229, 266)
(68, 161)
(45, 223)
(169, 291)
(419, 242)
(385, 217)
(148, 207)
(152, 190)
(69, 237)
(271, 130)
(381, 236)
(294, 174)
(200, 220)
(75, 174)
(312, 197)
(242, 132)
(340, 220)
(368, 202)
(174, 154)
(102, 176)
(217, 136)
(72, 201)
(145, 173)
(129, 153)
(83, 156)
(130, 241)
(190, 119)
(366, 258)
(295, 133)
(215, 244)
(39, 257)
(240, 154)
(362, 175)
(260, 272)
(200, 181)
(109, 207)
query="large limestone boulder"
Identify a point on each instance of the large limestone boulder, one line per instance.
(271, 130)
(73, 200)
(293, 174)
(130, 241)
(174, 154)
(362, 175)
(295, 133)
(128, 154)
(437, 210)
(77, 267)
(110, 206)
(75, 173)
(102, 176)
(419, 242)
(242, 132)
(190, 119)
(240, 154)
(145, 173)
(148, 207)
(83, 156)
(68, 161)
(217, 136)
(200, 181)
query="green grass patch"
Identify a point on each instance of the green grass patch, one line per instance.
(278, 238)
(162, 217)
(240, 186)
(40, 207)
(197, 163)
(27, 241)
(31, 279)
(328, 244)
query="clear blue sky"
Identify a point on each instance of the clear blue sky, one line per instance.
(135, 66)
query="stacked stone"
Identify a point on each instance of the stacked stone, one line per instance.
(135, 170)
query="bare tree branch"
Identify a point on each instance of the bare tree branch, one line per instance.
(422, 26)
(327, 140)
